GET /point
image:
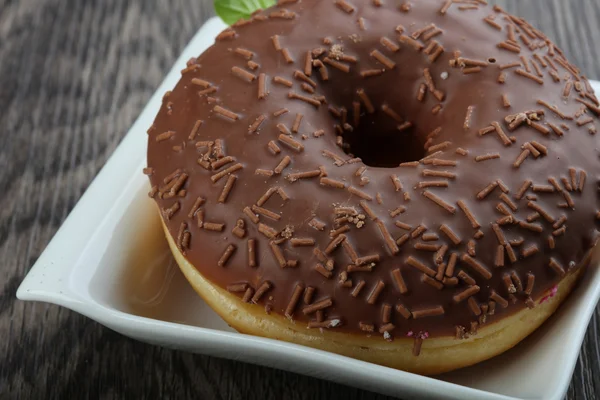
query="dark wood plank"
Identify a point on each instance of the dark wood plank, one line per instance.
(73, 77)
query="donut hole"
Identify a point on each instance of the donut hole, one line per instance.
(492, 60)
(384, 147)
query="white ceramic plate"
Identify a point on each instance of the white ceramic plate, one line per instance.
(110, 262)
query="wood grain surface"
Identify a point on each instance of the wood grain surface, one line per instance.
(74, 75)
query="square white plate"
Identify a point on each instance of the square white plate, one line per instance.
(110, 262)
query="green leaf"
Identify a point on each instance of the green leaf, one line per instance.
(231, 11)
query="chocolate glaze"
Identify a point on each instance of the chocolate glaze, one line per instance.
(313, 24)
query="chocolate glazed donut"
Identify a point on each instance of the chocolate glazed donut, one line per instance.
(381, 178)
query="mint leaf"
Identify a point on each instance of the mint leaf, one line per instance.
(231, 11)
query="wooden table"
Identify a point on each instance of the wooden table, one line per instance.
(73, 76)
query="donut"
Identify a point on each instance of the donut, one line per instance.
(411, 184)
